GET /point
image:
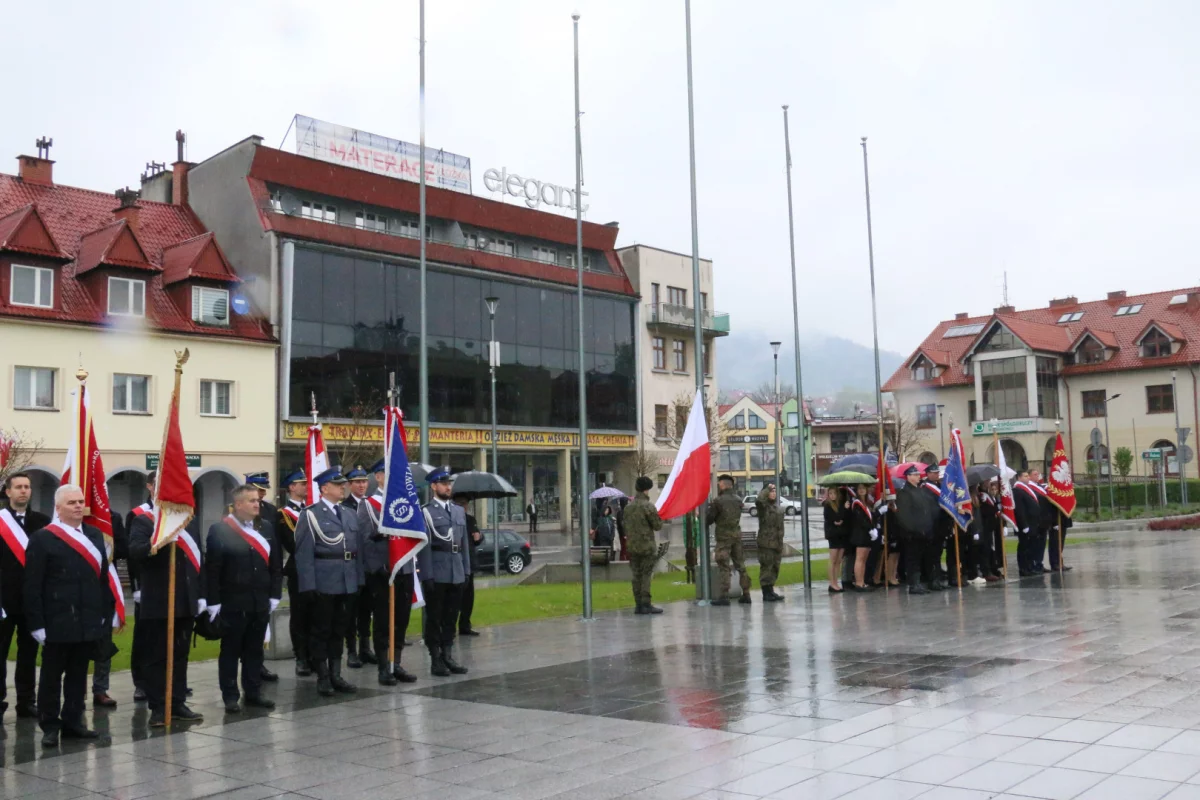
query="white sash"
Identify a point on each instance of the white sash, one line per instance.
(13, 535)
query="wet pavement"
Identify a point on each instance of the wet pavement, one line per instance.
(1088, 687)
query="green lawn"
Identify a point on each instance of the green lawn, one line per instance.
(508, 604)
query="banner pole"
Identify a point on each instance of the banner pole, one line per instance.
(957, 559)
(1060, 545)
(1000, 514)
(170, 630)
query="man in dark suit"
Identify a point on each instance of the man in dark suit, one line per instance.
(137, 647)
(244, 571)
(189, 601)
(1029, 519)
(328, 567)
(105, 649)
(358, 621)
(443, 567)
(474, 537)
(267, 514)
(299, 605)
(68, 607)
(17, 522)
(1047, 524)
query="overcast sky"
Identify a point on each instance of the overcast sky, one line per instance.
(1052, 140)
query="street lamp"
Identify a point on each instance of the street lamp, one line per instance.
(493, 362)
(1108, 456)
(778, 449)
(941, 430)
(1179, 445)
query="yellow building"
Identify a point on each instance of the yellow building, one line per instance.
(747, 445)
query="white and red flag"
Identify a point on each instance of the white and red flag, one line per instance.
(400, 516)
(1060, 484)
(1008, 505)
(316, 460)
(691, 476)
(174, 502)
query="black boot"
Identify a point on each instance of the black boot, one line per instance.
(386, 678)
(745, 599)
(437, 666)
(352, 660)
(336, 679)
(640, 609)
(364, 651)
(649, 609)
(448, 658)
(303, 669)
(324, 685)
(403, 675)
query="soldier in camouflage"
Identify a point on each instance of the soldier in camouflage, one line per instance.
(641, 521)
(726, 513)
(770, 541)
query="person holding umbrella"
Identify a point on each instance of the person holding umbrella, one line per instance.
(604, 533)
(863, 534)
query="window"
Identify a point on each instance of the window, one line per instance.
(738, 422)
(654, 296)
(1046, 374)
(732, 459)
(707, 351)
(504, 247)
(277, 201)
(369, 220)
(922, 370)
(547, 254)
(1155, 344)
(676, 296)
(754, 421)
(762, 457)
(1071, 316)
(210, 306)
(1160, 399)
(1127, 310)
(1098, 454)
(662, 480)
(1005, 387)
(1178, 299)
(927, 415)
(1089, 351)
(126, 298)
(793, 419)
(962, 330)
(971, 411)
(131, 394)
(660, 422)
(318, 211)
(214, 398)
(412, 229)
(1000, 339)
(587, 260)
(679, 351)
(32, 286)
(1093, 403)
(681, 418)
(704, 301)
(659, 346)
(842, 442)
(33, 387)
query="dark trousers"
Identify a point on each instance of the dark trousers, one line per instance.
(956, 557)
(1039, 548)
(25, 677)
(358, 617)
(154, 663)
(137, 650)
(63, 684)
(467, 605)
(300, 621)
(330, 619)
(441, 614)
(998, 554)
(242, 642)
(533, 523)
(1025, 544)
(1055, 543)
(914, 556)
(931, 560)
(403, 589)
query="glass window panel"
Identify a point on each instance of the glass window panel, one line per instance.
(506, 313)
(529, 328)
(206, 399)
(470, 312)
(604, 340)
(306, 333)
(139, 399)
(406, 291)
(551, 315)
(120, 393)
(370, 299)
(338, 336)
(307, 302)
(440, 303)
(337, 281)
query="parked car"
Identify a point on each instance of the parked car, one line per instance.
(515, 553)
(750, 506)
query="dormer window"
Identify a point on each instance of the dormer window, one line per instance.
(210, 306)
(923, 369)
(31, 286)
(1070, 316)
(126, 297)
(1125, 311)
(1089, 352)
(1155, 344)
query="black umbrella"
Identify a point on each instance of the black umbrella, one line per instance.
(476, 485)
(419, 470)
(982, 473)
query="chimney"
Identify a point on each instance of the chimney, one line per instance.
(37, 169)
(1064, 301)
(128, 209)
(1004, 310)
(179, 172)
(1116, 296)
(961, 315)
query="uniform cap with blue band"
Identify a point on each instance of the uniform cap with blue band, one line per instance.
(331, 475)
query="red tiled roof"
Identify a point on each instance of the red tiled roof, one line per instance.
(1169, 328)
(1038, 328)
(23, 231)
(71, 215)
(1105, 338)
(198, 257)
(114, 245)
(940, 358)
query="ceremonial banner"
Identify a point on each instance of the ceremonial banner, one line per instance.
(174, 502)
(955, 498)
(400, 514)
(1008, 506)
(1060, 485)
(315, 461)
(85, 468)
(691, 476)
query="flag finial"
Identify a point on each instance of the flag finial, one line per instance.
(81, 374)
(181, 358)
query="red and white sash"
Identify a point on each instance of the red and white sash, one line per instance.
(79, 543)
(292, 513)
(1038, 489)
(861, 505)
(13, 535)
(144, 510)
(253, 538)
(933, 488)
(114, 586)
(1027, 489)
(190, 549)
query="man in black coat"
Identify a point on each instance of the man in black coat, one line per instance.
(1047, 524)
(267, 515)
(941, 526)
(1029, 519)
(17, 522)
(69, 608)
(137, 647)
(244, 571)
(915, 520)
(299, 605)
(474, 537)
(103, 667)
(154, 571)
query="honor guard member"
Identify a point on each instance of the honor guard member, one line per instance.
(17, 522)
(69, 608)
(1047, 523)
(376, 565)
(137, 648)
(442, 567)
(155, 575)
(329, 569)
(1029, 518)
(299, 605)
(102, 668)
(641, 522)
(474, 537)
(726, 513)
(941, 526)
(915, 508)
(267, 514)
(358, 623)
(769, 541)
(244, 568)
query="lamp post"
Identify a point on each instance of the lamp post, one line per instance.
(1108, 456)
(941, 430)
(1179, 444)
(493, 362)
(778, 447)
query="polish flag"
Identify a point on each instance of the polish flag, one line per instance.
(85, 468)
(1008, 506)
(316, 461)
(691, 476)
(174, 501)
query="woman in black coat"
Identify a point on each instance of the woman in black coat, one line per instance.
(862, 536)
(605, 531)
(837, 534)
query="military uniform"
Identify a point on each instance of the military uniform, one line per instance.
(770, 544)
(442, 568)
(641, 521)
(376, 566)
(726, 513)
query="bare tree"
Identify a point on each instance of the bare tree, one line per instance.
(17, 451)
(357, 443)
(765, 393)
(677, 417)
(641, 461)
(904, 437)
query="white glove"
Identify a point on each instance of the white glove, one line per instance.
(874, 534)
(213, 611)
(137, 596)
(274, 604)
(203, 604)
(1025, 531)
(39, 635)
(976, 537)
(2, 614)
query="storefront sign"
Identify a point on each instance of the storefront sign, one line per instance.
(464, 437)
(193, 460)
(534, 192)
(1003, 426)
(749, 438)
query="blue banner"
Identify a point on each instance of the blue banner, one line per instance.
(956, 496)
(401, 513)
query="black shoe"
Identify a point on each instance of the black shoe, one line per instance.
(78, 733)
(836, 591)
(451, 664)
(26, 711)
(303, 669)
(917, 589)
(857, 588)
(50, 739)
(339, 683)
(640, 609)
(937, 586)
(185, 714)
(233, 706)
(438, 666)
(102, 700)
(157, 719)
(469, 632)
(139, 694)
(745, 599)
(652, 609)
(352, 659)
(721, 601)
(403, 675)
(258, 701)
(324, 686)
(268, 676)
(386, 678)
(188, 691)
(364, 652)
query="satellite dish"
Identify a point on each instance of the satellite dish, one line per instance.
(240, 304)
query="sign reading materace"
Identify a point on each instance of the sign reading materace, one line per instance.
(338, 144)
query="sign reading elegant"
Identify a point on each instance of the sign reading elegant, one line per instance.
(533, 191)
(467, 437)
(1003, 426)
(338, 144)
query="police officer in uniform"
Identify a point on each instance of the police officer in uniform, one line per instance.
(328, 568)
(641, 521)
(769, 541)
(300, 605)
(442, 568)
(726, 513)
(358, 626)
(267, 515)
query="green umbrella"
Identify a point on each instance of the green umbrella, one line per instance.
(846, 478)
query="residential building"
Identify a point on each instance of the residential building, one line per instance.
(795, 457)
(835, 437)
(747, 444)
(667, 347)
(1123, 360)
(116, 286)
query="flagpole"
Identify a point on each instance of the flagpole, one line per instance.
(1000, 510)
(393, 402)
(179, 361)
(423, 368)
(585, 555)
(1061, 571)
(874, 315)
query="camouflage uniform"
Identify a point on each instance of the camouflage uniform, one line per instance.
(641, 521)
(770, 540)
(726, 513)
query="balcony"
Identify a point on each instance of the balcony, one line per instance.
(668, 315)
